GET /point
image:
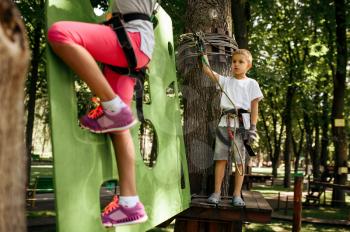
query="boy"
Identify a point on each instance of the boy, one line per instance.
(242, 94)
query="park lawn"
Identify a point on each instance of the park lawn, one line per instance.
(328, 213)
(274, 226)
(282, 226)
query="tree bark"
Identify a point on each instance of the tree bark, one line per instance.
(240, 18)
(32, 89)
(274, 150)
(324, 129)
(14, 57)
(288, 146)
(339, 136)
(298, 147)
(309, 141)
(201, 98)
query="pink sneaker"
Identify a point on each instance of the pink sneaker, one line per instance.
(104, 121)
(117, 215)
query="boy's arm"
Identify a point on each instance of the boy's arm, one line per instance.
(207, 70)
(254, 109)
(252, 135)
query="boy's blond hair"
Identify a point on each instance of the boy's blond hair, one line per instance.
(245, 53)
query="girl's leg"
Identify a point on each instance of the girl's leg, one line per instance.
(84, 65)
(125, 156)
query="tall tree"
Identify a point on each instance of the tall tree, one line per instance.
(240, 18)
(14, 57)
(32, 12)
(339, 136)
(201, 98)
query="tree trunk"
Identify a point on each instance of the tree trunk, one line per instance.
(277, 153)
(32, 92)
(324, 129)
(309, 141)
(298, 149)
(316, 123)
(274, 149)
(14, 57)
(201, 98)
(339, 136)
(288, 142)
(240, 17)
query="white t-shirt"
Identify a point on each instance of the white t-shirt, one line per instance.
(144, 27)
(242, 92)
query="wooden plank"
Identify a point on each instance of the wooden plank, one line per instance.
(213, 226)
(250, 202)
(212, 214)
(263, 205)
(257, 210)
(192, 226)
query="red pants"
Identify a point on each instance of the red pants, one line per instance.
(101, 42)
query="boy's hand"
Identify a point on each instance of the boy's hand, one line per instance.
(251, 134)
(204, 59)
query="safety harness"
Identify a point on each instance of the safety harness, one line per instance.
(231, 113)
(117, 23)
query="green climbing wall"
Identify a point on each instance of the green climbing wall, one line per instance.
(83, 161)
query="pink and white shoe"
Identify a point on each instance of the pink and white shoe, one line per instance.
(104, 121)
(117, 215)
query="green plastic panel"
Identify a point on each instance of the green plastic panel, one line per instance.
(83, 161)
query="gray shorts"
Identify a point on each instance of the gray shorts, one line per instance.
(224, 147)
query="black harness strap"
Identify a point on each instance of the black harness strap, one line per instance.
(116, 23)
(118, 26)
(134, 16)
(241, 128)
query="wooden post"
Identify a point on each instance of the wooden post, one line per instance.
(298, 189)
(286, 206)
(278, 201)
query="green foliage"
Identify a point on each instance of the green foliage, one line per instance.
(293, 46)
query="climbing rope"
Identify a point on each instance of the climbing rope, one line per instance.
(223, 44)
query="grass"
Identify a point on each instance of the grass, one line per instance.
(274, 226)
(325, 213)
(282, 226)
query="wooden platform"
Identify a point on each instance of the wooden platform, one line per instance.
(202, 216)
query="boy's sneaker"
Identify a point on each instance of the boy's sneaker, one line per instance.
(238, 201)
(214, 198)
(104, 121)
(116, 215)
